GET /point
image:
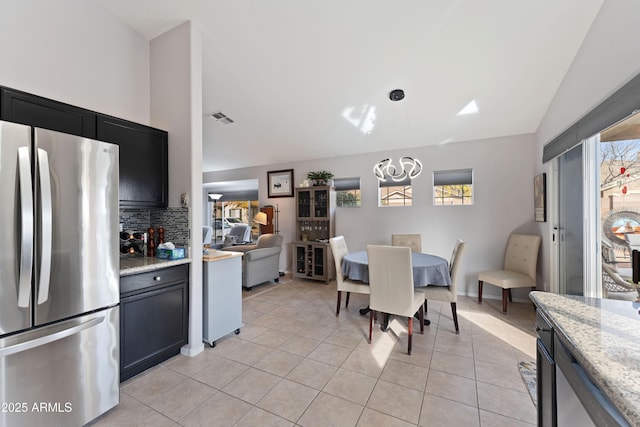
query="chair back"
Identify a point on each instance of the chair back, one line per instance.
(207, 233)
(390, 278)
(339, 250)
(522, 254)
(413, 241)
(269, 241)
(454, 265)
(242, 232)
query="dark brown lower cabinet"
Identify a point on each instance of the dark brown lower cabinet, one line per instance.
(154, 311)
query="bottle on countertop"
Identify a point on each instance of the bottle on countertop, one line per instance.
(151, 243)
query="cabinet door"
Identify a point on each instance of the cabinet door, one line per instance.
(300, 253)
(319, 268)
(153, 327)
(321, 203)
(21, 107)
(144, 173)
(303, 203)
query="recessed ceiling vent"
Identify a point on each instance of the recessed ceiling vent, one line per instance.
(221, 117)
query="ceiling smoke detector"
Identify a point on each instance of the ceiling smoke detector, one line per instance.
(396, 95)
(220, 117)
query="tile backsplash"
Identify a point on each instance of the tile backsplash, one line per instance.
(175, 222)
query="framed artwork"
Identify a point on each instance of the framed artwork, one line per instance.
(280, 183)
(540, 197)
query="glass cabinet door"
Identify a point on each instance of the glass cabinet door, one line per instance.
(304, 203)
(321, 203)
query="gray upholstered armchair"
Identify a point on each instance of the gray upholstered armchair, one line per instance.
(262, 264)
(238, 234)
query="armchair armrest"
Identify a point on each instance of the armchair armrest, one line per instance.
(257, 254)
(240, 248)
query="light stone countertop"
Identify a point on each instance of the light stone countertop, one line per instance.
(135, 265)
(604, 336)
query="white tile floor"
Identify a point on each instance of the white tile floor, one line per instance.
(296, 364)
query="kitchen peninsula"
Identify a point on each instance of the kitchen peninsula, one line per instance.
(596, 346)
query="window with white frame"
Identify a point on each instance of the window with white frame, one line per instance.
(453, 187)
(395, 193)
(347, 192)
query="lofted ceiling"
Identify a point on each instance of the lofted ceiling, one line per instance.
(305, 80)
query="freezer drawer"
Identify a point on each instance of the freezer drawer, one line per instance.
(65, 374)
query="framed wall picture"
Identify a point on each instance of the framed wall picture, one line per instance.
(280, 183)
(540, 197)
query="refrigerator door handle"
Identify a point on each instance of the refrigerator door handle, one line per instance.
(47, 225)
(26, 232)
(47, 339)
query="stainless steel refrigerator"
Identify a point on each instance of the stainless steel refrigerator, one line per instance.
(59, 277)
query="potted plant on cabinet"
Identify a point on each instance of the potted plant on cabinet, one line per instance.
(320, 177)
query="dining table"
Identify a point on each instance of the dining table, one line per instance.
(427, 269)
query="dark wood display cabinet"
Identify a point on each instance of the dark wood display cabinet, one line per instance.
(154, 311)
(144, 160)
(315, 225)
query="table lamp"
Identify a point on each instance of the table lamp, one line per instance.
(260, 218)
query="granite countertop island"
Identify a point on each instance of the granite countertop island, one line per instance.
(604, 337)
(135, 265)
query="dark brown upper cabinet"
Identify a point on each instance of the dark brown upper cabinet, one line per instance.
(28, 109)
(144, 154)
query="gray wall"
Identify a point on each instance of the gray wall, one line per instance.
(503, 186)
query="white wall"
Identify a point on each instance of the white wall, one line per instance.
(606, 61)
(503, 184)
(75, 52)
(176, 105)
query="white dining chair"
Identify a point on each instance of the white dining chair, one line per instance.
(391, 283)
(448, 293)
(339, 250)
(519, 269)
(413, 241)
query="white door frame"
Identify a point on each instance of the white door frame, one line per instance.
(592, 268)
(592, 233)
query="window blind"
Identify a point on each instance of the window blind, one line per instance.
(453, 177)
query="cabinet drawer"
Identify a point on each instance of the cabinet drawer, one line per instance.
(129, 285)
